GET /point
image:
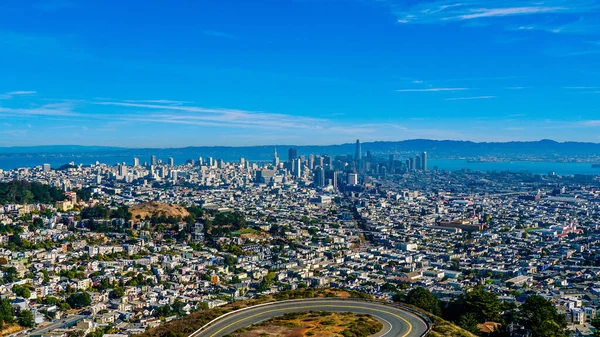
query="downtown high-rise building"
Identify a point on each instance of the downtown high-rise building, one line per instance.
(153, 160)
(319, 176)
(171, 161)
(275, 158)
(352, 179)
(136, 162)
(292, 154)
(424, 161)
(358, 151)
(122, 170)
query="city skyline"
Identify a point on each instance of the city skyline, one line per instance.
(238, 74)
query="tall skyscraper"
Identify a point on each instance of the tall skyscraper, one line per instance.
(328, 161)
(358, 153)
(424, 161)
(311, 161)
(292, 154)
(319, 176)
(417, 162)
(153, 160)
(297, 167)
(275, 158)
(171, 161)
(136, 162)
(352, 179)
(122, 170)
(46, 167)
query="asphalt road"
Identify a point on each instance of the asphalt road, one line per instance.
(57, 324)
(396, 322)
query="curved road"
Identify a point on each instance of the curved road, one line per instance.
(396, 322)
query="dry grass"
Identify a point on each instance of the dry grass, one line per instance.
(10, 329)
(309, 324)
(156, 208)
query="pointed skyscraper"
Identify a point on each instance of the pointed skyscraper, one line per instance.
(275, 158)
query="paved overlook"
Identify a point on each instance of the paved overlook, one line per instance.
(396, 322)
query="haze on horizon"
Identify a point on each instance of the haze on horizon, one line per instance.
(202, 73)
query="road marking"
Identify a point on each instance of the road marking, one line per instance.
(318, 306)
(390, 324)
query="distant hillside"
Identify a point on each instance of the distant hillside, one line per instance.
(57, 149)
(148, 209)
(546, 148)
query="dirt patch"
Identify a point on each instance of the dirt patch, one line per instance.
(314, 324)
(147, 209)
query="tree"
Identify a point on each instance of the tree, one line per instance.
(117, 293)
(22, 291)
(79, 300)
(6, 312)
(484, 305)
(51, 300)
(64, 306)
(424, 299)
(26, 319)
(399, 297)
(468, 321)
(178, 307)
(541, 317)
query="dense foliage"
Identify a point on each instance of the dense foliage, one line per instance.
(101, 212)
(424, 299)
(225, 223)
(79, 300)
(6, 312)
(24, 192)
(479, 306)
(541, 317)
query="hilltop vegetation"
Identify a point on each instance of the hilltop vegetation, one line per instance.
(184, 326)
(314, 323)
(24, 192)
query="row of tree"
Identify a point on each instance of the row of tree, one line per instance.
(478, 306)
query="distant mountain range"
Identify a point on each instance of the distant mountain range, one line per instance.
(436, 148)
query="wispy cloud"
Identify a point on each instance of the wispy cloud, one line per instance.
(202, 116)
(444, 11)
(159, 101)
(486, 12)
(590, 123)
(469, 98)
(11, 94)
(432, 89)
(581, 25)
(56, 109)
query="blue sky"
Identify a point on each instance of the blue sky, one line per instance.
(220, 72)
